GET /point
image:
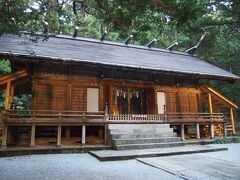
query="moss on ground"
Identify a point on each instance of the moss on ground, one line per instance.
(226, 140)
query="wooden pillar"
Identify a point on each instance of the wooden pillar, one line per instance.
(7, 95)
(212, 130)
(33, 132)
(197, 131)
(59, 135)
(83, 134)
(232, 121)
(4, 136)
(210, 104)
(224, 129)
(105, 134)
(182, 132)
(68, 132)
(11, 96)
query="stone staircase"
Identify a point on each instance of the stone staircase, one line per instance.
(142, 136)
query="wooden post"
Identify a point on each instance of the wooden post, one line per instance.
(197, 131)
(83, 134)
(68, 132)
(7, 95)
(182, 132)
(210, 103)
(224, 129)
(212, 130)
(59, 135)
(232, 121)
(4, 136)
(12, 96)
(33, 130)
(106, 116)
(105, 134)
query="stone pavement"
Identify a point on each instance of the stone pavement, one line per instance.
(195, 166)
(113, 155)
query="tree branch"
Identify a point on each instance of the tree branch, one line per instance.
(118, 21)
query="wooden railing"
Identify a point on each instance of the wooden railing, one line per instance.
(168, 117)
(201, 117)
(137, 117)
(51, 116)
(78, 116)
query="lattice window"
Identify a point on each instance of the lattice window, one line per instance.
(59, 98)
(184, 102)
(193, 102)
(43, 97)
(171, 102)
(79, 99)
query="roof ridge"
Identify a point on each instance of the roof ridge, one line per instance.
(114, 43)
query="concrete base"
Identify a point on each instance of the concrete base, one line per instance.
(113, 155)
(18, 151)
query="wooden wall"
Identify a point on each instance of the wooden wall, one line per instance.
(62, 92)
(181, 99)
(178, 99)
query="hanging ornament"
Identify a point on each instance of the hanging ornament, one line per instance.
(137, 94)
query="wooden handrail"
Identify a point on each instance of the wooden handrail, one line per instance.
(37, 115)
(168, 117)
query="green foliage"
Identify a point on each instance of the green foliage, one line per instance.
(168, 21)
(227, 140)
(5, 66)
(23, 102)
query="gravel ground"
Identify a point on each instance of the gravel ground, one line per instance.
(232, 155)
(75, 166)
(84, 166)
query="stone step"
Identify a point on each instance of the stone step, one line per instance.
(147, 146)
(143, 130)
(137, 126)
(145, 140)
(112, 155)
(142, 135)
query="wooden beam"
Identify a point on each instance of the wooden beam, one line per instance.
(222, 97)
(33, 132)
(7, 95)
(59, 135)
(83, 134)
(210, 103)
(13, 76)
(232, 121)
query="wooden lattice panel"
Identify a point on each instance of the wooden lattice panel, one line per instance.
(184, 102)
(193, 102)
(43, 96)
(171, 102)
(59, 98)
(79, 99)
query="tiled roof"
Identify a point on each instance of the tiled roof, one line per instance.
(111, 53)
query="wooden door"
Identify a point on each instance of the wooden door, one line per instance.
(92, 99)
(161, 102)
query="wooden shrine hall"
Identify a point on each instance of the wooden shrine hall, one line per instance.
(81, 89)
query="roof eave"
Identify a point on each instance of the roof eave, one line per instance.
(175, 73)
